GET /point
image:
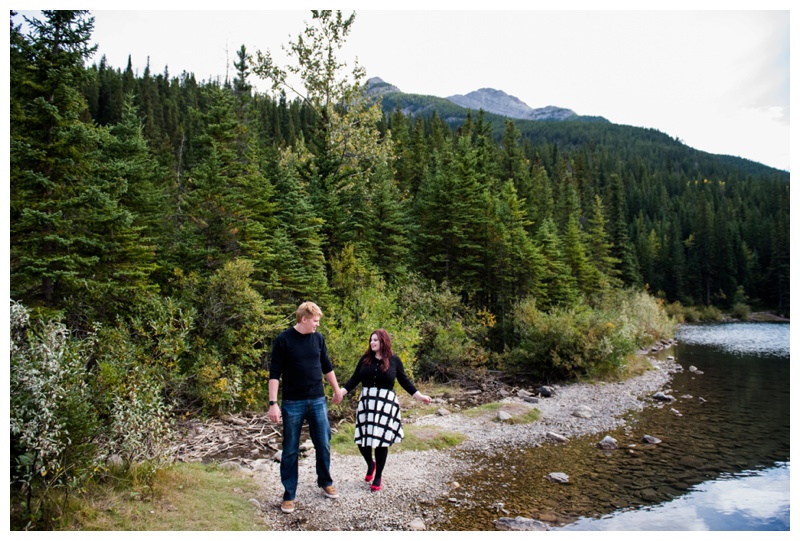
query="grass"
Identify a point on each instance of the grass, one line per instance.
(417, 438)
(520, 414)
(635, 365)
(183, 497)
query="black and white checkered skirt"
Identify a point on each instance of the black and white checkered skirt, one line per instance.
(378, 418)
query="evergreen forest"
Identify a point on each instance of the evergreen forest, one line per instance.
(163, 231)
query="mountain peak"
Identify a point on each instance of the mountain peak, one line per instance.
(496, 101)
(490, 100)
(377, 86)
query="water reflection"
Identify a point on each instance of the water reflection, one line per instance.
(762, 339)
(723, 463)
(755, 501)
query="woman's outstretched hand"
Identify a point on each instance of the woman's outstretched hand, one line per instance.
(338, 395)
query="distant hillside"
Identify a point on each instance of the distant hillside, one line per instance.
(563, 127)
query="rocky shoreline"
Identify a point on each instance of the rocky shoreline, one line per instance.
(417, 483)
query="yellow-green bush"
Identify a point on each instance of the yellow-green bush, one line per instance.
(581, 340)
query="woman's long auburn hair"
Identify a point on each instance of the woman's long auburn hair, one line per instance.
(385, 350)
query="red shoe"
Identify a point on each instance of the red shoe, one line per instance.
(375, 488)
(371, 475)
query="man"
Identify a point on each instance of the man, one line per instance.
(300, 357)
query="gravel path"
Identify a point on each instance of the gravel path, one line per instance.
(416, 482)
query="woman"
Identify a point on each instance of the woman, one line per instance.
(378, 423)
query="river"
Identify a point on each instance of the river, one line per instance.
(722, 465)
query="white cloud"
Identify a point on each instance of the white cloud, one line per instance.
(718, 80)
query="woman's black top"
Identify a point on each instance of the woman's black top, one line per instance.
(371, 375)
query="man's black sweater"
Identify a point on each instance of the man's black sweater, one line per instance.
(301, 360)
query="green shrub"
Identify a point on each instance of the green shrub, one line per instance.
(54, 426)
(139, 381)
(577, 341)
(451, 336)
(691, 314)
(740, 311)
(675, 311)
(235, 327)
(711, 313)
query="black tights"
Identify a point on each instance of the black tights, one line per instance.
(381, 454)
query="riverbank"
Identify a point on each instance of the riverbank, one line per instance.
(417, 485)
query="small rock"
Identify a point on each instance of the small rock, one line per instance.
(701, 400)
(651, 439)
(500, 508)
(608, 443)
(522, 393)
(416, 525)
(277, 456)
(503, 416)
(255, 502)
(558, 477)
(531, 399)
(556, 437)
(520, 524)
(584, 412)
(665, 397)
(546, 391)
(442, 412)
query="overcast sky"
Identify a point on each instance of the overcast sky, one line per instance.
(718, 80)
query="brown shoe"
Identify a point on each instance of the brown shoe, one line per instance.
(287, 506)
(330, 491)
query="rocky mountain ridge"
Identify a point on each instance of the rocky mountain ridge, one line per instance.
(498, 102)
(488, 99)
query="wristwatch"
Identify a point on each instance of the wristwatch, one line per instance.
(272, 402)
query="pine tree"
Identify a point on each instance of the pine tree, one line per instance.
(513, 163)
(600, 246)
(298, 272)
(347, 145)
(451, 215)
(514, 266)
(561, 288)
(68, 229)
(588, 278)
(387, 232)
(229, 209)
(540, 200)
(622, 249)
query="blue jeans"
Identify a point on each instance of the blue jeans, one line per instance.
(294, 412)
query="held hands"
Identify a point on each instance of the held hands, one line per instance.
(338, 395)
